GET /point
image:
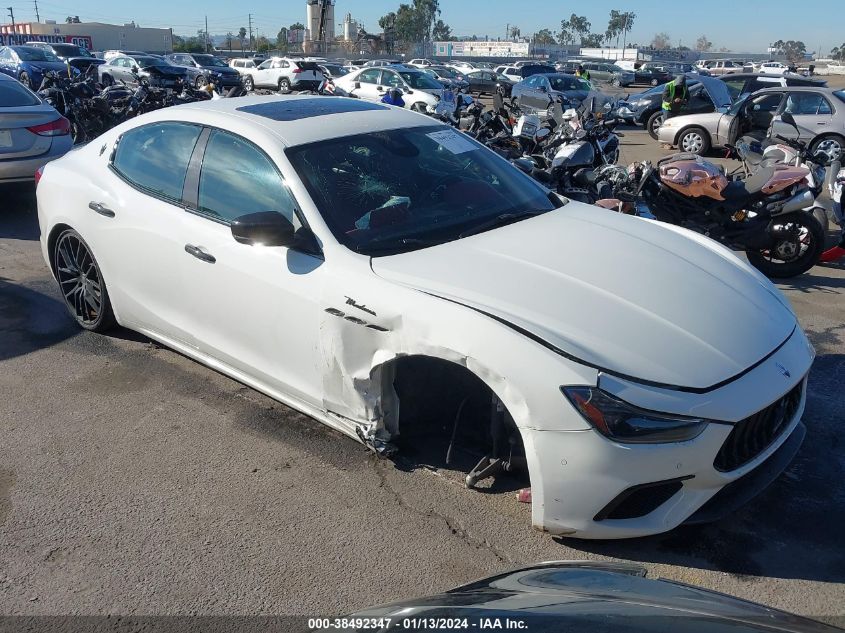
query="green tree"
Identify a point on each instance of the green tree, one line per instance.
(544, 37)
(580, 26)
(229, 37)
(661, 41)
(703, 44)
(838, 52)
(592, 40)
(242, 36)
(262, 44)
(296, 26)
(565, 35)
(426, 13)
(282, 39)
(441, 32)
(619, 24)
(514, 32)
(793, 50)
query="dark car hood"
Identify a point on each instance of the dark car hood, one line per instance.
(175, 71)
(582, 597)
(220, 70)
(47, 66)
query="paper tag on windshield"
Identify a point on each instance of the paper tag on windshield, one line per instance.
(453, 141)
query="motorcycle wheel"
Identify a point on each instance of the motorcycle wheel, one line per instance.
(76, 132)
(794, 255)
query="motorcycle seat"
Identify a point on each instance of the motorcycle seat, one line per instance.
(750, 186)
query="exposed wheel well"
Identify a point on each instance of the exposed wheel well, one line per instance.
(51, 243)
(449, 417)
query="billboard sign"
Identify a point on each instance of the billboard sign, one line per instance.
(483, 48)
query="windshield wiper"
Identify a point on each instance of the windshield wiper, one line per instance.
(392, 243)
(500, 220)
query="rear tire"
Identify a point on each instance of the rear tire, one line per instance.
(810, 236)
(284, 85)
(654, 82)
(81, 283)
(694, 140)
(831, 144)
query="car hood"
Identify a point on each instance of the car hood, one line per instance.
(220, 70)
(47, 66)
(717, 89)
(582, 597)
(636, 298)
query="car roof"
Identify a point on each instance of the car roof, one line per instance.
(797, 89)
(297, 119)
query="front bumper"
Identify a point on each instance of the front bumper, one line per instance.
(576, 475)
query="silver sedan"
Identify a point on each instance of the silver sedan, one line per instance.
(32, 132)
(819, 115)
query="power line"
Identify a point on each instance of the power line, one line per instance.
(37, 17)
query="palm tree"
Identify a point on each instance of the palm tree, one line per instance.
(242, 36)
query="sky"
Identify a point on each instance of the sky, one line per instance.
(740, 25)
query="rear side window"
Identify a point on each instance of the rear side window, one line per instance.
(155, 157)
(15, 95)
(807, 103)
(237, 179)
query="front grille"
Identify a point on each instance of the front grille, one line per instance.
(754, 434)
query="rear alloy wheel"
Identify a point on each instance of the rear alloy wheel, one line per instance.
(796, 246)
(831, 146)
(615, 82)
(249, 83)
(200, 81)
(25, 80)
(694, 141)
(284, 84)
(654, 82)
(81, 283)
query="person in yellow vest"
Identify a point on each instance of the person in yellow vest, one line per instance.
(675, 96)
(583, 74)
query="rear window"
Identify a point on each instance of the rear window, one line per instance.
(15, 95)
(308, 66)
(839, 94)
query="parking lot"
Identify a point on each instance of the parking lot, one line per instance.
(135, 481)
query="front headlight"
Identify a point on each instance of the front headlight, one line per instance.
(624, 422)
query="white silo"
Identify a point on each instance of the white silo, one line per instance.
(317, 11)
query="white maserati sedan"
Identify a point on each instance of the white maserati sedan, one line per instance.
(404, 285)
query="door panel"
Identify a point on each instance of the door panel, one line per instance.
(255, 308)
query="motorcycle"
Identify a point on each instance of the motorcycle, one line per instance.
(756, 155)
(761, 214)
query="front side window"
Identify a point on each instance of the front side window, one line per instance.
(391, 79)
(398, 190)
(155, 157)
(237, 179)
(32, 54)
(265, 65)
(369, 76)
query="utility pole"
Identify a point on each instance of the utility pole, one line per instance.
(507, 32)
(37, 17)
(206, 34)
(250, 32)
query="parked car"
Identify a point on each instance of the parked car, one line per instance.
(535, 69)
(243, 65)
(818, 112)
(449, 77)
(511, 72)
(28, 64)
(538, 91)
(107, 55)
(355, 63)
(488, 82)
(717, 67)
(611, 73)
(333, 71)
(77, 56)
(705, 95)
(393, 249)
(460, 65)
(586, 597)
(484, 65)
(421, 63)
(382, 62)
(159, 72)
(420, 89)
(284, 74)
(773, 68)
(32, 133)
(204, 69)
(651, 75)
(741, 84)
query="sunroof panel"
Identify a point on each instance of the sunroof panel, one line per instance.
(295, 109)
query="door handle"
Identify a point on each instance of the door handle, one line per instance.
(197, 252)
(100, 208)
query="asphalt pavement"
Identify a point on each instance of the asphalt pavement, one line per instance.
(134, 481)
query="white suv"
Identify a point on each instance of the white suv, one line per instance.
(284, 74)
(243, 66)
(419, 90)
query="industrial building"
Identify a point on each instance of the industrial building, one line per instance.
(94, 36)
(319, 24)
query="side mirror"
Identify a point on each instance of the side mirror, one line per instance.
(357, 85)
(134, 69)
(408, 91)
(787, 118)
(544, 89)
(267, 228)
